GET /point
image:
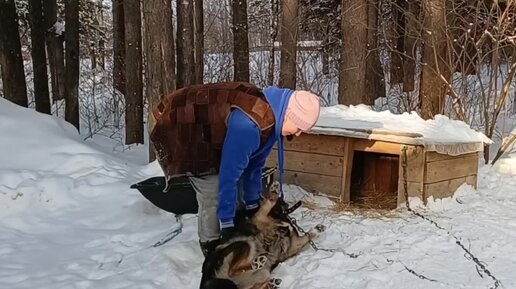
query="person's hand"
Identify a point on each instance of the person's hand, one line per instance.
(251, 212)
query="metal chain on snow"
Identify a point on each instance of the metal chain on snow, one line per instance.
(312, 243)
(405, 185)
(170, 236)
(468, 253)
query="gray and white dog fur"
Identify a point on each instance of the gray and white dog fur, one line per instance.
(246, 262)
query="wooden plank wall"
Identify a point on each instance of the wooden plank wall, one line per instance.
(414, 172)
(314, 162)
(437, 175)
(445, 174)
(323, 164)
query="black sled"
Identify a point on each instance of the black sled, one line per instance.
(180, 197)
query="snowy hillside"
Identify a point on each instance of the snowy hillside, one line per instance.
(68, 219)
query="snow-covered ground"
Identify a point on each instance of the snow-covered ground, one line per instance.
(68, 219)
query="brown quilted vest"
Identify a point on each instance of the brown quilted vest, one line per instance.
(191, 125)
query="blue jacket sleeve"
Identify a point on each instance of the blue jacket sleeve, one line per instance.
(253, 182)
(242, 140)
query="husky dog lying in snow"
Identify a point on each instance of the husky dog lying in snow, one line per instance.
(246, 260)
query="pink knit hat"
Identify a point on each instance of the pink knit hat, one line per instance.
(303, 109)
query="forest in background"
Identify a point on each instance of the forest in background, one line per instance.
(101, 64)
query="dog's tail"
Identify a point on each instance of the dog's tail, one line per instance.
(218, 284)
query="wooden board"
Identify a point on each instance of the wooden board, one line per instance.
(433, 156)
(447, 188)
(365, 135)
(309, 163)
(414, 190)
(313, 183)
(272, 160)
(324, 164)
(377, 146)
(379, 172)
(347, 167)
(451, 169)
(415, 164)
(400, 139)
(320, 144)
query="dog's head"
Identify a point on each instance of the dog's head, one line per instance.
(239, 250)
(280, 209)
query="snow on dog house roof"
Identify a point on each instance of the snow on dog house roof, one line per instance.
(442, 135)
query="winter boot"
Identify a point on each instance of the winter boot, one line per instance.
(208, 246)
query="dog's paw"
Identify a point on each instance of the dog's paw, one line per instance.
(275, 190)
(275, 187)
(259, 262)
(272, 197)
(321, 228)
(274, 283)
(316, 231)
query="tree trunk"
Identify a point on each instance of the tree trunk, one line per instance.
(39, 57)
(118, 46)
(375, 84)
(133, 73)
(240, 41)
(11, 61)
(199, 41)
(72, 63)
(102, 54)
(352, 68)
(325, 53)
(514, 102)
(464, 17)
(159, 51)
(398, 32)
(274, 34)
(433, 88)
(93, 57)
(101, 49)
(55, 50)
(185, 44)
(289, 29)
(410, 44)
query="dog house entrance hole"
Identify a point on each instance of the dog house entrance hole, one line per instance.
(374, 180)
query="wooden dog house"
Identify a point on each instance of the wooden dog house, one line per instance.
(352, 163)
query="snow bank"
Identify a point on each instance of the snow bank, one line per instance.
(507, 165)
(38, 141)
(44, 161)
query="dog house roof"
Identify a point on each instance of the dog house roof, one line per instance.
(440, 134)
